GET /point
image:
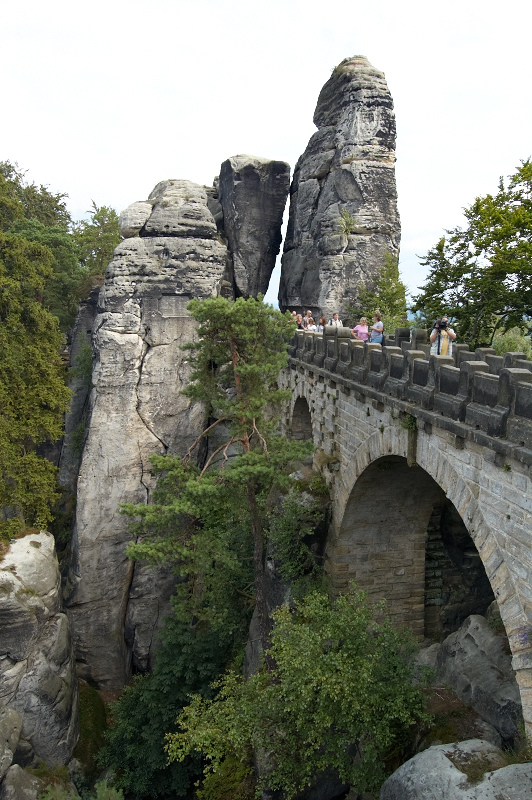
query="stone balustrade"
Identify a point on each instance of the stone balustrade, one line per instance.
(486, 392)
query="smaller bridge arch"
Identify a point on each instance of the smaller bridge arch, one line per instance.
(301, 420)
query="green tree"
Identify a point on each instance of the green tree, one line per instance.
(33, 396)
(96, 239)
(36, 202)
(340, 696)
(188, 659)
(64, 287)
(480, 275)
(388, 295)
(236, 360)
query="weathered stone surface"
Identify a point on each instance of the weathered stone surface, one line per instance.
(348, 167)
(20, 785)
(37, 673)
(10, 728)
(440, 773)
(252, 193)
(133, 218)
(180, 209)
(137, 409)
(146, 610)
(474, 663)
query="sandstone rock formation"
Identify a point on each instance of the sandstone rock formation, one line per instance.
(20, 785)
(456, 771)
(37, 671)
(137, 410)
(473, 661)
(176, 251)
(347, 169)
(252, 193)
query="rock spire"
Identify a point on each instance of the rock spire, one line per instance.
(343, 198)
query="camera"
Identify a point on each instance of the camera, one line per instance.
(440, 324)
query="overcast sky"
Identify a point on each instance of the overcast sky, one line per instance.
(104, 99)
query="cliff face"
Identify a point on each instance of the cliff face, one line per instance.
(175, 250)
(136, 410)
(347, 170)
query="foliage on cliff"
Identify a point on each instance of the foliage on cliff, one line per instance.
(340, 697)
(388, 295)
(481, 275)
(45, 268)
(80, 251)
(33, 396)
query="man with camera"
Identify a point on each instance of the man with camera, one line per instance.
(442, 338)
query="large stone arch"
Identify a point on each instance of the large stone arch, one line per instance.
(392, 442)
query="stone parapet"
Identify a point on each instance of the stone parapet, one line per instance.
(486, 393)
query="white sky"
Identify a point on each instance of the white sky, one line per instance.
(104, 99)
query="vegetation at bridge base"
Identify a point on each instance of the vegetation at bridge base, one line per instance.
(480, 275)
(211, 523)
(339, 697)
(189, 658)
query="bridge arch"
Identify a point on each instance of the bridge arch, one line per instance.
(446, 483)
(390, 445)
(401, 539)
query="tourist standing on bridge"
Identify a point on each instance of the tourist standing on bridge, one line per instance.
(442, 338)
(335, 321)
(360, 331)
(320, 327)
(306, 319)
(299, 320)
(377, 330)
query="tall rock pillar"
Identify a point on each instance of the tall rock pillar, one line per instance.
(343, 205)
(172, 253)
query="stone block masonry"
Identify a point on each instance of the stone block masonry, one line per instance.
(467, 439)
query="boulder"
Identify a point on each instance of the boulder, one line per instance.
(474, 661)
(37, 674)
(20, 785)
(343, 199)
(252, 194)
(133, 219)
(180, 209)
(10, 728)
(471, 770)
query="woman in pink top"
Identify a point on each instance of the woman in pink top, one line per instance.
(360, 331)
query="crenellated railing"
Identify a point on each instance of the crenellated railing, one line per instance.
(485, 391)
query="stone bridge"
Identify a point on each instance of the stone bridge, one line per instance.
(428, 460)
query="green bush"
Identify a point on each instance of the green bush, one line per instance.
(342, 686)
(187, 661)
(512, 342)
(92, 726)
